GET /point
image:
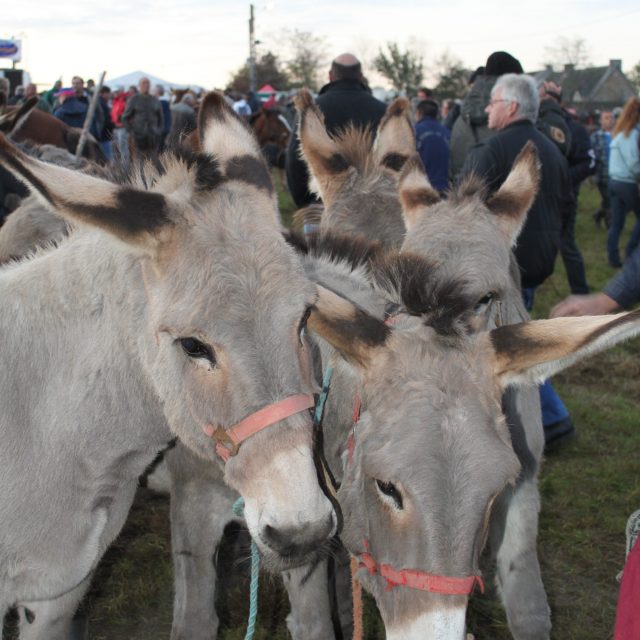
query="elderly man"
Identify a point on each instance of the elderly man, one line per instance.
(144, 120)
(512, 111)
(346, 99)
(31, 91)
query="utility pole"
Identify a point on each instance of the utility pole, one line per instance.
(252, 51)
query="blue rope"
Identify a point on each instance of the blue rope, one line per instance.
(238, 510)
(322, 398)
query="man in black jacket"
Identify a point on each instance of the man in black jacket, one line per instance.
(513, 110)
(577, 148)
(346, 99)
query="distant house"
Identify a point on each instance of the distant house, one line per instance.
(591, 89)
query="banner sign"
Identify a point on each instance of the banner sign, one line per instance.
(11, 50)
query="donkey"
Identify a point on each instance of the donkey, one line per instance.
(469, 240)
(356, 173)
(471, 236)
(199, 305)
(430, 455)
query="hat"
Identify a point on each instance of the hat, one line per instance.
(501, 62)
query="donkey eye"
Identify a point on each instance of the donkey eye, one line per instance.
(481, 305)
(302, 327)
(196, 349)
(389, 490)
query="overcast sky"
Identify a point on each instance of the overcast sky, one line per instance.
(193, 41)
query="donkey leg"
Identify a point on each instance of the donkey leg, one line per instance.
(514, 523)
(54, 619)
(200, 509)
(514, 531)
(310, 616)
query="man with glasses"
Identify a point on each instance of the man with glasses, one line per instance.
(512, 111)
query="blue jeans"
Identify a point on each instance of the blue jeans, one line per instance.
(624, 198)
(553, 409)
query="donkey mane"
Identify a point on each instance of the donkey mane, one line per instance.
(415, 284)
(412, 281)
(355, 147)
(471, 186)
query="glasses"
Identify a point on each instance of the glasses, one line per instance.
(492, 102)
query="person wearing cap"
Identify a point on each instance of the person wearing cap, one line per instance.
(345, 100)
(471, 126)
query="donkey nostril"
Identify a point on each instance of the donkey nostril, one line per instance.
(298, 541)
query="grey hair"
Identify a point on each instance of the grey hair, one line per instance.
(522, 89)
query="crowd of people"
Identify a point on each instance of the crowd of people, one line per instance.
(481, 133)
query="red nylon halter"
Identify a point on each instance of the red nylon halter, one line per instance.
(228, 441)
(412, 578)
(421, 580)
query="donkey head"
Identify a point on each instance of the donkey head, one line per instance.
(431, 449)
(355, 173)
(470, 235)
(222, 307)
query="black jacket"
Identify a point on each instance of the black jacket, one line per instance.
(342, 102)
(540, 238)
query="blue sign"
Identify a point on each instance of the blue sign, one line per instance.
(10, 49)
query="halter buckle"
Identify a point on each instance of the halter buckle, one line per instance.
(224, 440)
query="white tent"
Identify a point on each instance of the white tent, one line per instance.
(134, 77)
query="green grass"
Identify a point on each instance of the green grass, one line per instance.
(588, 489)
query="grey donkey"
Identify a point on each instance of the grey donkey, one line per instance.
(423, 468)
(174, 310)
(471, 236)
(471, 240)
(356, 171)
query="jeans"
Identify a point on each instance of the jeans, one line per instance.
(553, 409)
(624, 198)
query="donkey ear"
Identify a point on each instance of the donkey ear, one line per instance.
(320, 151)
(354, 333)
(396, 140)
(136, 217)
(12, 121)
(516, 195)
(416, 192)
(224, 135)
(530, 352)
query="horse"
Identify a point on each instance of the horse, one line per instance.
(175, 309)
(272, 132)
(28, 123)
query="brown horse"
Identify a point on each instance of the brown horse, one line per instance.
(272, 131)
(25, 122)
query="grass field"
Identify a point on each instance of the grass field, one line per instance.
(588, 489)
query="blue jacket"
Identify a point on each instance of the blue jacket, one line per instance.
(624, 288)
(624, 157)
(432, 140)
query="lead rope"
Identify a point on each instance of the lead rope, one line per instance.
(238, 510)
(356, 595)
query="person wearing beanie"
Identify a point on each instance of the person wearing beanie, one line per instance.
(471, 127)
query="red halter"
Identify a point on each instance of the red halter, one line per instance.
(411, 578)
(228, 441)
(421, 580)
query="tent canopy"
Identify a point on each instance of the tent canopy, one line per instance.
(134, 77)
(267, 88)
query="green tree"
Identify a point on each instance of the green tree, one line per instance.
(307, 58)
(268, 71)
(634, 77)
(403, 69)
(452, 76)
